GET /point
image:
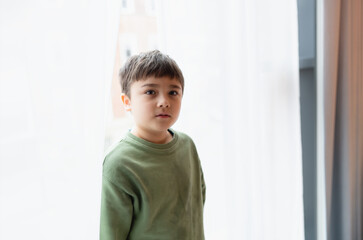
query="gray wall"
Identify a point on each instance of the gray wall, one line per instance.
(307, 45)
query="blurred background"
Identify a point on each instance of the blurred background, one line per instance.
(61, 109)
(253, 103)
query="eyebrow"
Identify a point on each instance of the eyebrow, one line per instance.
(156, 85)
(175, 86)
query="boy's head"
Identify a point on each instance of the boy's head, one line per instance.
(148, 64)
(152, 90)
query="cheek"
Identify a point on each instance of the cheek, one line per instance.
(179, 102)
(178, 106)
(141, 107)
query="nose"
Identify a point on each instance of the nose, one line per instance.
(163, 101)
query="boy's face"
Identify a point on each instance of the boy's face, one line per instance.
(155, 104)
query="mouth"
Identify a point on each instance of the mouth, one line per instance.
(163, 115)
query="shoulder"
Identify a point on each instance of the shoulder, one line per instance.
(118, 158)
(182, 136)
(185, 140)
(117, 150)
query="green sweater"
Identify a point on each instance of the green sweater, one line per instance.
(152, 191)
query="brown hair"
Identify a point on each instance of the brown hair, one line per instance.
(148, 64)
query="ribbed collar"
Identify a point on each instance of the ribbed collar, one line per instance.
(154, 146)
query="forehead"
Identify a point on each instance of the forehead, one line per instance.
(157, 82)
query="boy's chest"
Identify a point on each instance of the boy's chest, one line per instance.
(169, 184)
(168, 177)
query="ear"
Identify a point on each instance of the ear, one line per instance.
(126, 102)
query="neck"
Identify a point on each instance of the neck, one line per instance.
(157, 137)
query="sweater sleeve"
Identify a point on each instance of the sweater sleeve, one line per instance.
(116, 212)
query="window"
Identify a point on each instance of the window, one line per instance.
(150, 7)
(127, 6)
(128, 46)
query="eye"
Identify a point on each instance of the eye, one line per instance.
(173, 93)
(150, 92)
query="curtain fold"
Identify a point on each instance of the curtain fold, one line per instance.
(241, 106)
(343, 98)
(56, 64)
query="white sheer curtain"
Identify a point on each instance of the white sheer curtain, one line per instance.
(56, 63)
(241, 105)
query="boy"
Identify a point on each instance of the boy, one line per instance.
(153, 186)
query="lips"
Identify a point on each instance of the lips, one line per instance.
(163, 115)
